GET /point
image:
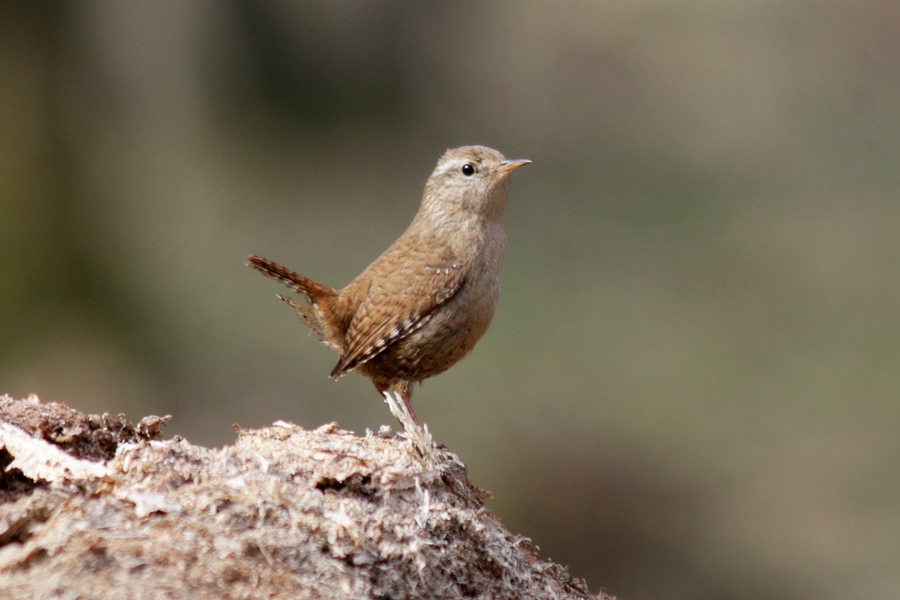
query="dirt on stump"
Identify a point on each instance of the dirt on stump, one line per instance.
(96, 507)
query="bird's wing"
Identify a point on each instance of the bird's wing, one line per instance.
(397, 305)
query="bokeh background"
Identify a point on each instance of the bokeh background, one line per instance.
(691, 387)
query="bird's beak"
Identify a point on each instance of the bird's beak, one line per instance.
(511, 165)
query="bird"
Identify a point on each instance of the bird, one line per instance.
(424, 303)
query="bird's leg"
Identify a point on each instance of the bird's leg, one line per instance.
(418, 433)
(403, 390)
(399, 401)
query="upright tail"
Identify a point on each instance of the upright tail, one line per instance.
(312, 290)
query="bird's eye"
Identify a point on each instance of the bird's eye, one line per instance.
(468, 170)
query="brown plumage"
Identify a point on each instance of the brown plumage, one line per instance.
(423, 304)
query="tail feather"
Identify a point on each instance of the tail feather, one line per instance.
(313, 290)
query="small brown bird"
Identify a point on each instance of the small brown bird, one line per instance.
(423, 304)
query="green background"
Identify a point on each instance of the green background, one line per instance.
(690, 389)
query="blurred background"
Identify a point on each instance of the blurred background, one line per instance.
(690, 389)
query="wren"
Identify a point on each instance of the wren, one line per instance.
(423, 304)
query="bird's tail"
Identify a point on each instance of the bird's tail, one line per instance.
(316, 292)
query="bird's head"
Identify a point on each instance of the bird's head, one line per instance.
(472, 179)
